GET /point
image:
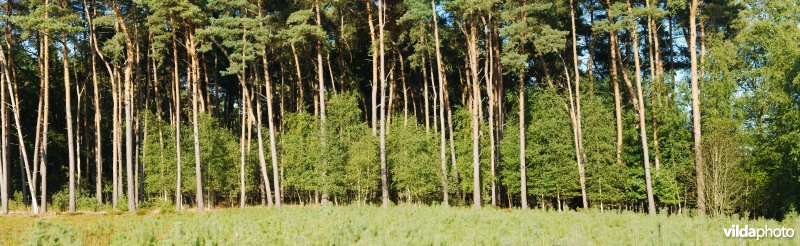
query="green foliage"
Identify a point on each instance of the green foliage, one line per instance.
(599, 135)
(302, 152)
(462, 130)
(219, 151)
(553, 171)
(346, 155)
(413, 158)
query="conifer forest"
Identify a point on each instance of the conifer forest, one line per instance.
(627, 106)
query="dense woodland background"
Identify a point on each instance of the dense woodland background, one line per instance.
(674, 106)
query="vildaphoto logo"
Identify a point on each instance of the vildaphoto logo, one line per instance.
(758, 232)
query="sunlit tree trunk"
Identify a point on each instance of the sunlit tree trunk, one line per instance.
(46, 114)
(488, 75)
(698, 155)
(384, 169)
(4, 147)
(374, 49)
(578, 130)
(8, 68)
(177, 94)
(128, 97)
(271, 122)
(651, 207)
(261, 157)
(15, 108)
(190, 44)
(617, 97)
(243, 190)
(442, 100)
(68, 110)
(472, 46)
(98, 153)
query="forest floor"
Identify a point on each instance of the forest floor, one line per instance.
(399, 225)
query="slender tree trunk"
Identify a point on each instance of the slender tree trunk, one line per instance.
(425, 96)
(128, 110)
(115, 140)
(321, 80)
(177, 94)
(243, 191)
(490, 94)
(472, 43)
(98, 153)
(651, 36)
(261, 157)
(523, 179)
(384, 169)
(8, 69)
(68, 110)
(578, 130)
(442, 94)
(374, 49)
(617, 99)
(272, 144)
(46, 115)
(195, 94)
(399, 56)
(698, 155)
(15, 108)
(4, 147)
(300, 93)
(642, 125)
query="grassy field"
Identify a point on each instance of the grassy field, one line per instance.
(399, 225)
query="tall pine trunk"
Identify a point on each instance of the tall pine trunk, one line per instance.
(651, 207)
(384, 169)
(177, 98)
(577, 108)
(194, 74)
(698, 155)
(488, 75)
(68, 110)
(271, 122)
(442, 92)
(128, 97)
(374, 49)
(6, 72)
(98, 153)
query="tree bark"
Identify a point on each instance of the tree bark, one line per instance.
(578, 130)
(615, 85)
(488, 75)
(46, 114)
(384, 170)
(128, 110)
(195, 94)
(177, 94)
(442, 96)
(272, 144)
(523, 180)
(243, 190)
(15, 108)
(472, 43)
(98, 153)
(698, 155)
(68, 110)
(374, 49)
(651, 207)
(321, 80)
(8, 68)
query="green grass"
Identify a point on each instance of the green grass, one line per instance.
(401, 225)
